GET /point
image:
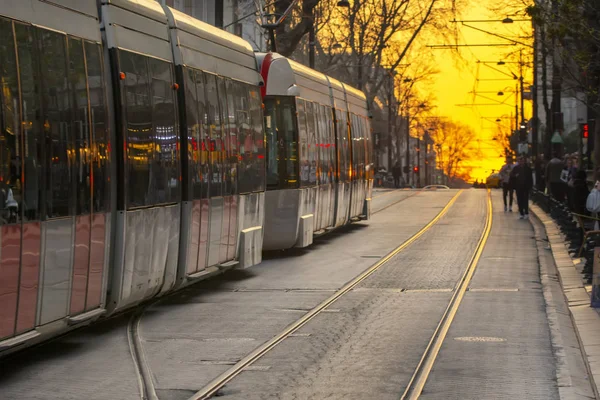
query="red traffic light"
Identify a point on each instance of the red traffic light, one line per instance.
(586, 131)
(415, 169)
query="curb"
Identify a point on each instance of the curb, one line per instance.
(585, 319)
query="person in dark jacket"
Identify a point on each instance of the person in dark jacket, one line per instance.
(580, 192)
(522, 180)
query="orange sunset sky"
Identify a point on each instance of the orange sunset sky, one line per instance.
(460, 75)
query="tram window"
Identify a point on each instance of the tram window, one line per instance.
(31, 153)
(10, 132)
(204, 139)
(214, 143)
(140, 141)
(245, 139)
(256, 122)
(311, 130)
(193, 132)
(56, 130)
(223, 145)
(342, 144)
(303, 143)
(231, 139)
(164, 171)
(80, 123)
(320, 150)
(330, 144)
(100, 137)
(273, 155)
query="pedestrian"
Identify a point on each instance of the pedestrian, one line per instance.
(580, 192)
(397, 173)
(507, 189)
(522, 180)
(553, 173)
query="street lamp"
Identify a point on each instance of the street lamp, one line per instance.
(343, 3)
(506, 20)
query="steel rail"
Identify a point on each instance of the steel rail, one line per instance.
(419, 377)
(213, 386)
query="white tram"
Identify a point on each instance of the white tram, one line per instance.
(132, 159)
(318, 137)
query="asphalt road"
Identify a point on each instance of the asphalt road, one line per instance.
(366, 345)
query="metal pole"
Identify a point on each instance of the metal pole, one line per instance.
(418, 177)
(522, 90)
(534, 122)
(407, 145)
(311, 44)
(426, 161)
(389, 141)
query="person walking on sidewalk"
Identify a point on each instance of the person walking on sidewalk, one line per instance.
(507, 188)
(397, 173)
(553, 174)
(522, 180)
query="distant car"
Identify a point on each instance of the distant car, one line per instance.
(435, 187)
(493, 181)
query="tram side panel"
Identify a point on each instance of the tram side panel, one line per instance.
(223, 147)
(54, 170)
(147, 152)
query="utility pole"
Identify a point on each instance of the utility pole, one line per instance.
(418, 177)
(426, 138)
(311, 43)
(390, 125)
(407, 144)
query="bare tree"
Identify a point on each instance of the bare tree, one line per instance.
(453, 140)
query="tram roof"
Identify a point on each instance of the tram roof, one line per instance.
(357, 101)
(202, 46)
(137, 25)
(285, 77)
(82, 15)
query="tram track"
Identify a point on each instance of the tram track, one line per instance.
(423, 369)
(147, 389)
(220, 381)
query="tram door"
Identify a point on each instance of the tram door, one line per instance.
(89, 162)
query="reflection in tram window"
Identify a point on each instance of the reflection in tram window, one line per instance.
(271, 135)
(57, 135)
(214, 144)
(282, 149)
(79, 109)
(223, 147)
(303, 141)
(245, 138)
(31, 127)
(193, 133)
(140, 147)
(311, 143)
(152, 151)
(256, 122)
(233, 133)
(100, 138)
(10, 133)
(164, 174)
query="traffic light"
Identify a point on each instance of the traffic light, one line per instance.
(415, 169)
(585, 131)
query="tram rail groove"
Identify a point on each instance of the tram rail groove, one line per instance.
(419, 378)
(143, 372)
(219, 382)
(136, 348)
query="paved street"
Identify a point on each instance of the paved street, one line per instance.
(366, 344)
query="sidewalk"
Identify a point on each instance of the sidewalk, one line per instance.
(585, 320)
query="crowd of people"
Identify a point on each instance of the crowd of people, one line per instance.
(561, 177)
